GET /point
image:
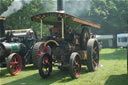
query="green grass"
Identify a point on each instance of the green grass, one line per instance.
(113, 72)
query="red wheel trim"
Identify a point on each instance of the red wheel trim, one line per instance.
(39, 54)
(77, 74)
(46, 60)
(46, 50)
(13, 64)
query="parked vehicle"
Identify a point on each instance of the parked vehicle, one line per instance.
(122, 40)
(68, 46)
(15, 47)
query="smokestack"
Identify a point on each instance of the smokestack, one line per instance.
(2, 29)
(60, 6)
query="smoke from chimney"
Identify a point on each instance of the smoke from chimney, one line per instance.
(77, 7)
(15, 6)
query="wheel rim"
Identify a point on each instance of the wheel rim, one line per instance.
(15, 64)
(77, 67)
(43, 49)
(95, 55)
(45, 65)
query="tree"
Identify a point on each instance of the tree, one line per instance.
(110, 14)
(22, 18)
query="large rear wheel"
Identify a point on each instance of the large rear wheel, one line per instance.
(74, 65)
(93, 55)
(14, 63)
(45, 65)
(38, 50)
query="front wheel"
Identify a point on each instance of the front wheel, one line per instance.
(74, 65)
(14, 63)
(45, 65)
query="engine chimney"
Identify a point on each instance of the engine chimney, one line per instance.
(60, 6)
(2, 30)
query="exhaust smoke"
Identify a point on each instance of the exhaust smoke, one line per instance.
(77, 7)
(15, 6)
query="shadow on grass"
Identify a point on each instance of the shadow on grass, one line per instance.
(84, 70)
(117, 80)
(117, 54)
(4, 72)
(35, 79)
(56, 76)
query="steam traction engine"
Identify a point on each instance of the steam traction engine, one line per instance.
(68, 45)
(15, 48)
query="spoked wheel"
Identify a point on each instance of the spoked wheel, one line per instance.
(75, 66)
(45, 65)
(14, 63)
(38, 50)
(93, 55)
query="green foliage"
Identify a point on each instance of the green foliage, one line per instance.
(22, 18)
(112, 15)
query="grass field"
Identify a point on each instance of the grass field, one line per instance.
(113, 72)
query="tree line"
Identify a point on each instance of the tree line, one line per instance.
(112, 15)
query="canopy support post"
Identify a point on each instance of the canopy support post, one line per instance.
(62, 28)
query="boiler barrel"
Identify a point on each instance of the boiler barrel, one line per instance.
(7, 48)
